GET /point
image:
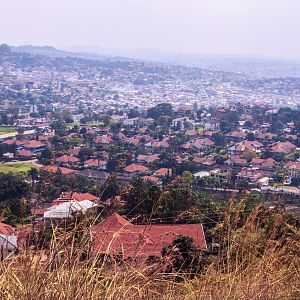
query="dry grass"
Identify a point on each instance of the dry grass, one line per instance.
(253, 262)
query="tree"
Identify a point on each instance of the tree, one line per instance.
(162, 109)
(45, 157)
(12, 189)
(59, 143)
(219, 139)
(187, 176)
(142, 198)
(85, 153)
(133, 113)
(182, 256)
(177, 198)
(105, 119)
(33, 173)
(229, 121)
(59, 128)
(250, 136)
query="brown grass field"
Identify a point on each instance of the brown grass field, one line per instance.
(258, 259)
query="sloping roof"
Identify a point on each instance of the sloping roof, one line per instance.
(25, 153)
(95, 162)
(136, 168)
(55, 169)
(202, 142)
(293, 164)
(67, 159)
(283, 147)
(33, 144)
(148, 158)
(236, 134)
(84, 196)
(263, 162)
(163, 172)
(6, 229)
(8, 241)
(118, 236)
(65, 209)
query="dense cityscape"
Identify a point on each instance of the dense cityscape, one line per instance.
(155, 154)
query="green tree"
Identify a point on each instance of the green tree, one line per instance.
(219, 139)
(182, 256)
(162, 109)
(142, 198)
(85, 153)
(12, 189)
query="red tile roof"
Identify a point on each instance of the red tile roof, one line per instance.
(95, 163)
(293, 164)
(67, 159)
(269, 162)
(55, 169)
(25, 153)
(118, 236)
(163, 172)
(33, 144)
(11, 142)
(283, 147)
(147, 158)
(105, 139)
(6, 229)
(68, 196)
(136, 168)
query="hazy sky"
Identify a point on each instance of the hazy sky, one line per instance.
(255, 27)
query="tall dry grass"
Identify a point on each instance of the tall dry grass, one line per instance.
(254, 258)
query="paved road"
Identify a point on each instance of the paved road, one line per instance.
(13, 134)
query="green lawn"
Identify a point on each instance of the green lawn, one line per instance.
(17, 167)
(5, 130)
(92, 124)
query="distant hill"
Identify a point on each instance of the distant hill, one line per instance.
(259, 67)
(53, 52)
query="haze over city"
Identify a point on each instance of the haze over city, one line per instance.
(264, 28)
(149, 149)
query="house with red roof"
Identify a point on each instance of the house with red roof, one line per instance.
(157, 144)
(236, 136)
(70, 196)
(34, 146)
(250, 174)
(163, 172)
(19, 144)
(205, 161)
(25, 154)
(268, 163)
(67, 160)
(293, 169)
(96, 163)
(147, 158)
(153, 179)
(239, 148)
(136, 169)
(58, 169)
(236, 161)
(203, 144)
(117, 236)
(283, 148)
(105, 139)
(263, 137)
